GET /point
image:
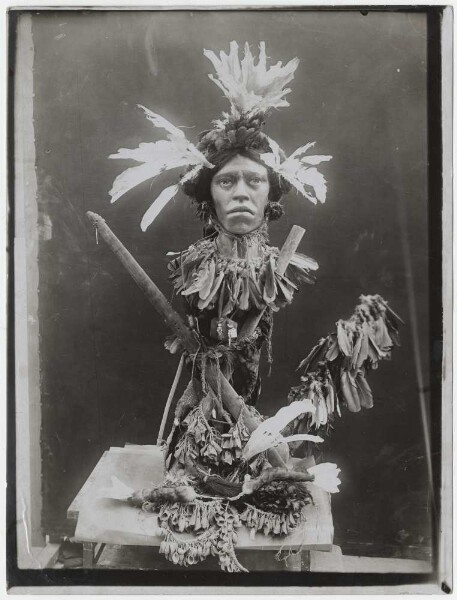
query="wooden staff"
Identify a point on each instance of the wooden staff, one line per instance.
(147, 286)
(233, 402)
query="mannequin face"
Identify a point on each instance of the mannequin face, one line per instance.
(240, 194)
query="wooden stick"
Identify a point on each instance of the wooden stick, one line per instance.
(289, 247)
(170, 399)
(284, 258)
(230, 398)
(147, 286)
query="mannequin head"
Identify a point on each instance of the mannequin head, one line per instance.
(208, 183)
(240, 191)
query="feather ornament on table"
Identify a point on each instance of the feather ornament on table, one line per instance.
(299, 170)
(326, 477)
(268, 433)
(117, 491)
(155, 158)
(251, 88)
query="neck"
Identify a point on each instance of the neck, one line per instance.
(246, 246)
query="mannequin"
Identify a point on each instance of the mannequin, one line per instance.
(218, 471)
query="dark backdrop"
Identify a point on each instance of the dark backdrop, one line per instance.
(360, 92)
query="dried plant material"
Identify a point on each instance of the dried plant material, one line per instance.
(273, 474)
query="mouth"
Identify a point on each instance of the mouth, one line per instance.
(241, 209)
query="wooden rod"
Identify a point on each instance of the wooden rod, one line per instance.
(289, 247)
(171, 395)
(147, 286)
(230, 398)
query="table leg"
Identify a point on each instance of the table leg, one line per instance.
(299, 562)
(88, 554)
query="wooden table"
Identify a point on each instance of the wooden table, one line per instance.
(101, 521)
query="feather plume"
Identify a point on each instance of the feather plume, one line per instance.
(133, 176)
(267, 434)
(162, 200)
(157, 157)
(162, 123)
(298, 172)
(251, 88)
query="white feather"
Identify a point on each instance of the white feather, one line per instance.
(162, 123)
(303, 261)
(133, 176)
(267, 434)
(117, 491)
(315, 180)
(162, 200)
(269, 159)
(301, 150)
(326, 476)
(157, 157)
(191, 174)
(296, 171)
(302, 437)
(316, 159)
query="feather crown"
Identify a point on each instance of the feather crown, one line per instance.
(253, 89)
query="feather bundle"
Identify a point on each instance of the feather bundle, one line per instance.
(335, 370)
(156, 157)
(251, 88)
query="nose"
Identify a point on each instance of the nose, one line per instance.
(240, 192)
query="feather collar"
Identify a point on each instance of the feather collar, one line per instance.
(210, 277)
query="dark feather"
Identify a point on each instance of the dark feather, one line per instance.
(364, 390)
(343, 340)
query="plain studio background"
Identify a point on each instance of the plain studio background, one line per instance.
(360, 92)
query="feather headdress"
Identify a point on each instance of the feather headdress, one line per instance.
(252, 89)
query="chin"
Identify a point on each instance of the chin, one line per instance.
(240, 226)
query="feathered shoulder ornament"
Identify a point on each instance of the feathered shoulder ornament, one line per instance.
(253, 89)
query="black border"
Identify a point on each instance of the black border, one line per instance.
(111, 577)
